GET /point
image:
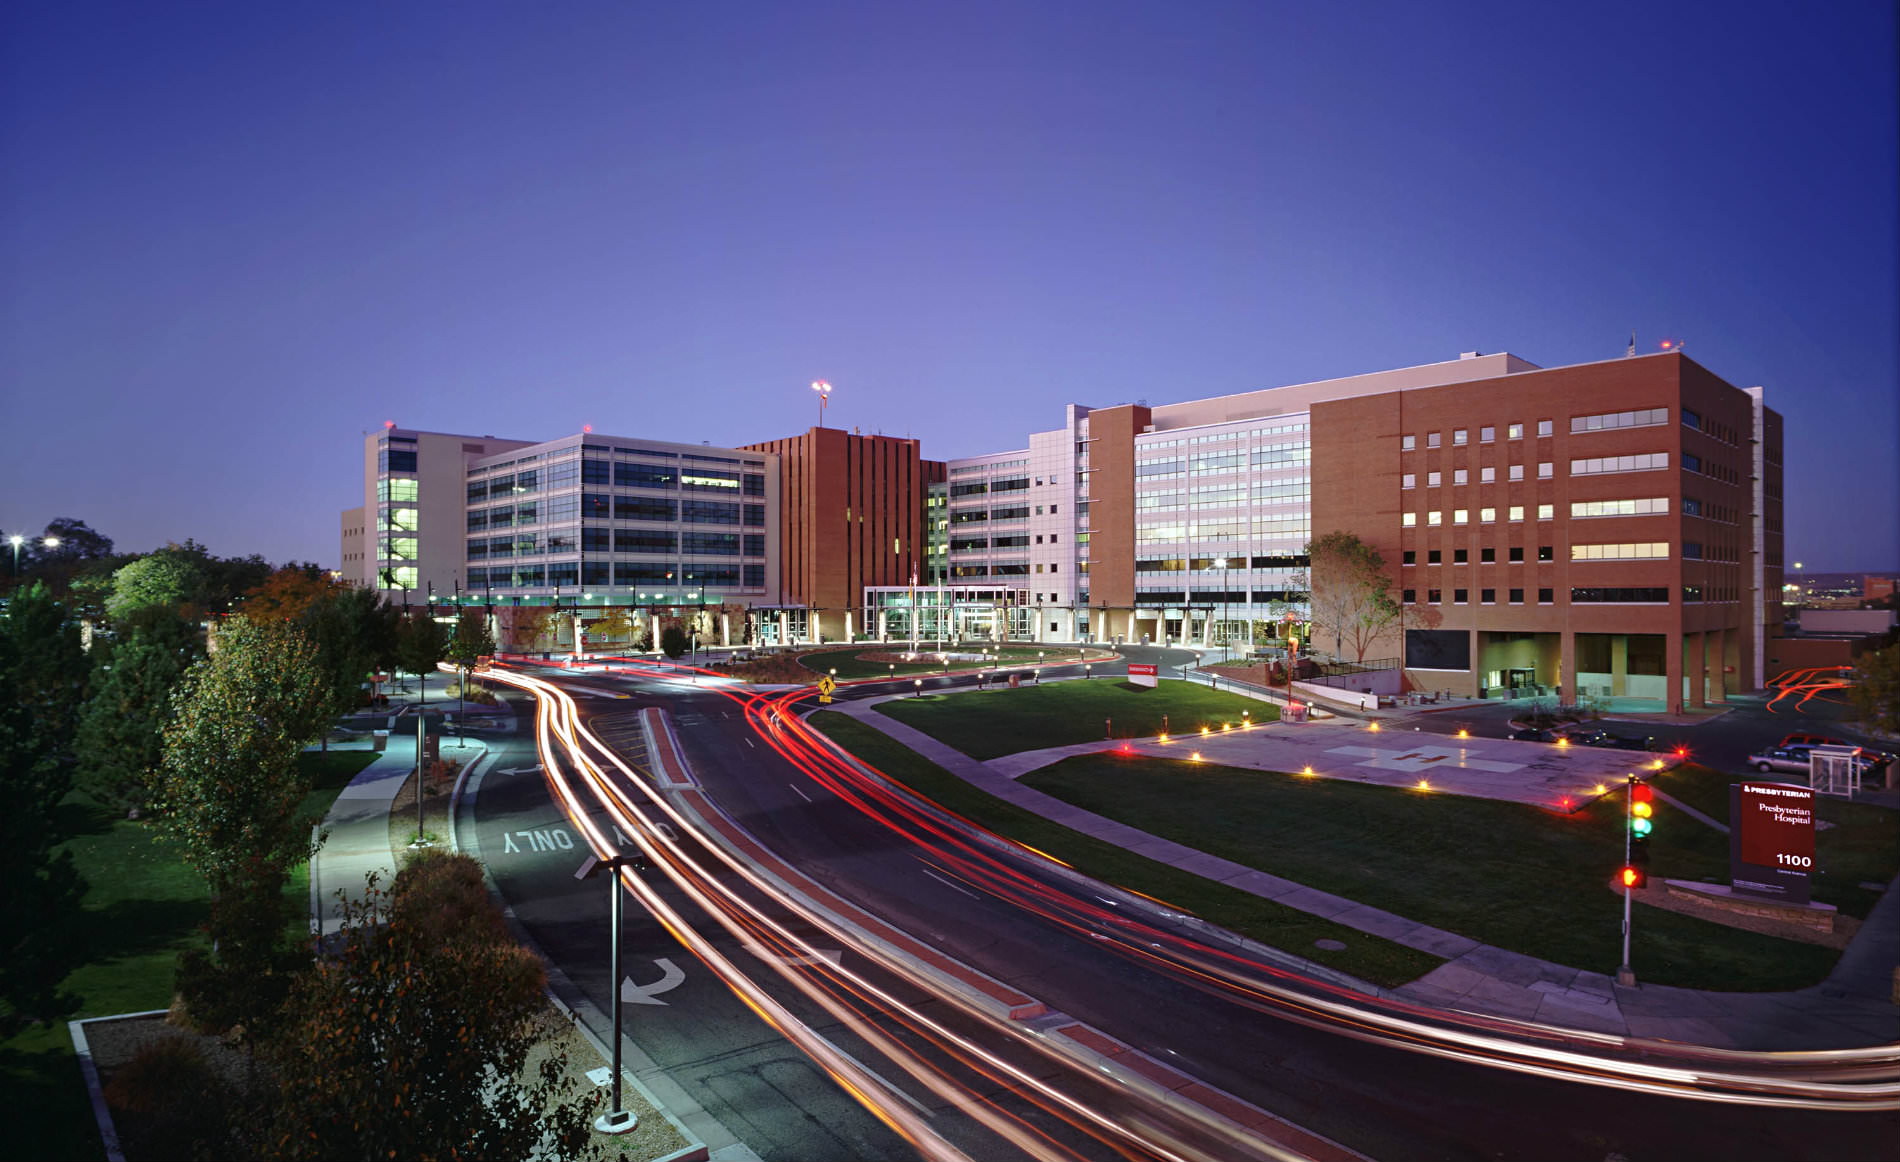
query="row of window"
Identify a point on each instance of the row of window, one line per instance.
(1460, 516)
(1462, 436)
(1152, 597)
(1649, 595)
(1486, 556)
(1219, 564)
(617, 573)
(618, 541)
(975, 515)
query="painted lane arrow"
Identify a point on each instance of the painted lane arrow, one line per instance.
(671, 977)
(518, 770)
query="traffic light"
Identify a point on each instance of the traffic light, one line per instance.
(1642, 822)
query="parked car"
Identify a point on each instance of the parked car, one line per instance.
(1534, 734)
(1813, 740)
(1595, 736)
(1798, 759)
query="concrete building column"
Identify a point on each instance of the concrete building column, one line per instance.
(1129, 636)
(1672, 672)
(1567, 667)
(848, 635)
(1698, 667)
(1716, 650)
(653, 637)
(784, 627)
(725, 630)
(1619, 664)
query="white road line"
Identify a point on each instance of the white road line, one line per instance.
(955, 887)
(748, 742)
(799, 793)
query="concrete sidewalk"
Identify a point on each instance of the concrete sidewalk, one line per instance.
(1852, 1007)
(358, 822)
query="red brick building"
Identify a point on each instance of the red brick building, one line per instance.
(1609, 528)
(851, 514)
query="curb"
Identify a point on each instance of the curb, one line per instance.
(108, 1132)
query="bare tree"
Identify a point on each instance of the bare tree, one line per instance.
(1350, 595)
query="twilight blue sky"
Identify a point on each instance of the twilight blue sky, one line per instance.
(232, 237)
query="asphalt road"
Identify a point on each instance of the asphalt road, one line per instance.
(1385, 1102)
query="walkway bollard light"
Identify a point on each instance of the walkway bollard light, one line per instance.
(617, 1120)
(919, 684)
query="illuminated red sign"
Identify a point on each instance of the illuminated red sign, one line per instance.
(1771, 840)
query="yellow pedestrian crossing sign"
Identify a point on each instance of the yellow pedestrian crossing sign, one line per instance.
(826, 687)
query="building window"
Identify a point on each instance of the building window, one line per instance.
(1487, 434)
(1431, 439)
(1487, 475)
(1514, 432)
(1407, 443)
(1632, 551)
(1545, 553)
(1544, 427)
(1611, 420)
(1460, 437)
(1646, 506)
(1409, 480)
(1434, 518)
(1460, 516)
(1432, 479)
(1411, 557)
(1408, 520)
(1517, 512)
(1546, 597)
(1597, 465)
(1460, 596)
(1517, 554)
(1546, 511)
(1459, 557)
(1691, 420)
(1517, 472)
(1545, 470)
(1517, 597)
(1487, 556)
(1411, 597)
(1435, 596)
(1487, 515)
(1488, 596)
(1432, 557)
(1458, 476)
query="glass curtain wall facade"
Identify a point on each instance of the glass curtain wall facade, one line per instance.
(628, 522)
(1223, 515)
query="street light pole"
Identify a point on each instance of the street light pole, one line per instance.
(618, 1120)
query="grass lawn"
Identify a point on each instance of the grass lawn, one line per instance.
(143, 907)
(1367, 957)
(1507, 874)
(1862, 846)
(874, 660)
(990, 724)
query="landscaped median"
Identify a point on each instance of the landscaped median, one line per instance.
(1511, 875)
(895, 659)
(991, 724)
(1367, 957)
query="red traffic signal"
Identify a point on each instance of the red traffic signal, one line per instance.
(1634, 877)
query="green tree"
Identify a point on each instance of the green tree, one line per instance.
(1876, 690)
(1349, 592)
(471, 639)
(230, 792)
(355, 633)
(421, 644)
(121, 730)
(672, 639)
(171, 577)
(413, 1040)
(42, 676)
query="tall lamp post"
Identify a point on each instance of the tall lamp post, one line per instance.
(617, 1120)
(1222, 562)
(824, 397)
(16, 540)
